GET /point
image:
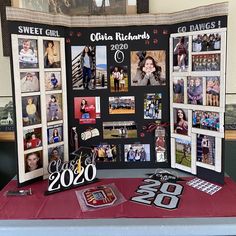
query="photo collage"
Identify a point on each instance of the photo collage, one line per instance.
(197, 88)
(108, 111)
(40, 87)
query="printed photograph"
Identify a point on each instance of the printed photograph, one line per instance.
(206, 42)
(178, 90)
(54, 107)
(6, 114)
(52, 80)
(33, 161)
(213, 91)
(90, 7)
(230, 114)
(206, 62)
(106, 152)
(180, 56)
(152, 106)
(29, 82)
(148, 68)
(160, 144)
(206, 120)
(28, 53)
(183, 152)
(52, 57)
(180, 121)
(31, 110)
(137, 152)
(119, 129)
(56, 153)
(32, 138)
(122, 105)
(195, 90)
(206, 149)
(55, 134)
(89, 67)
(119, 79)
(87, 109)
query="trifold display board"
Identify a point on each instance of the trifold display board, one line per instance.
(149, 96)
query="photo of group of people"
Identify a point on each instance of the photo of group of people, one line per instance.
(137, 152)
(148, 68)
(206, 42)
(118, 79)
(153, 106)
(122, 105)
(87, 109)
(106, 152)
(89, 67)
(206, 62)
(119, 129)
(206, 120)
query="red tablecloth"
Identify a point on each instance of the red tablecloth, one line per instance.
(65, 205)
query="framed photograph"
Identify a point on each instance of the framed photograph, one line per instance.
(206, 120)
(178, 89)
(153, 106)
(206, 42)
(29, 82)
(31, 110)
(180, 54)
(87, 109)
(195, 90)
(33, 161)
(206, 149)
(180, 121)
(230, 114)
(55, 134)
(54, 107)
(136, 152)
(160, 144)
(148, 68)
(118, 79)
(206, 62)
(213, 91)
(106, 152)
(56, 153)
(52, 80)
(28, 53)
(6, 114)
(119, 129)
(122, 105)
(52, 56)
(32, 138)
(89, 67)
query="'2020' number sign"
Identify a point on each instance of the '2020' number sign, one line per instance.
(70, 176)
(164, 195)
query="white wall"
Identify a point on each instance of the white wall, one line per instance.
(5, 76)
(167, 6)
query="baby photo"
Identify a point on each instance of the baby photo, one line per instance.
(148, 68)
(29, 82)
(52, 58)
(32, 138)
(195, 91)
(31, 110)
(54, 107)
(28, 53)
(52, 80)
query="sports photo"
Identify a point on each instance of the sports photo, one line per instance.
(122, 105)
(213, 91)
(206, 62)
(153, 106)
(106, 152)
(178, 90)
(183, 152)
